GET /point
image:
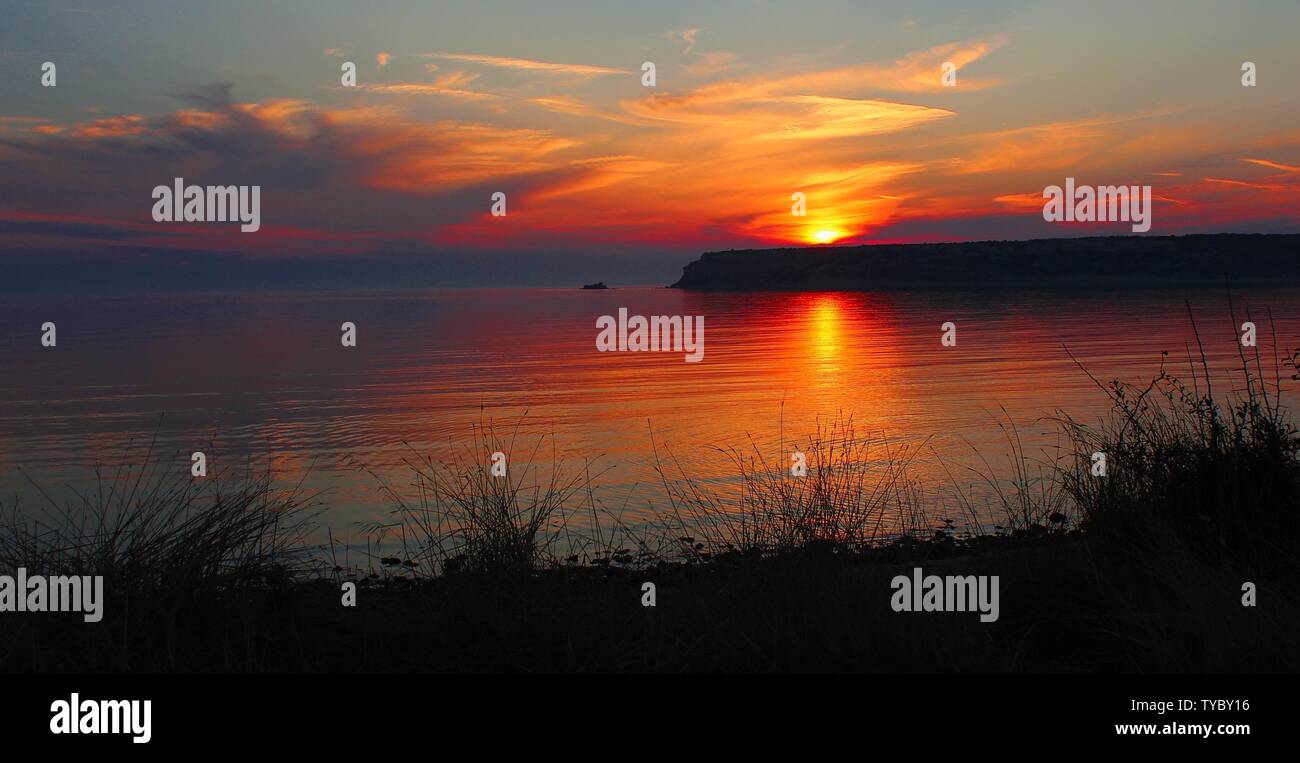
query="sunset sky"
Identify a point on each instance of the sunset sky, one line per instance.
(605, 178)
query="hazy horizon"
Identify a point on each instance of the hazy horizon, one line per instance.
(362, 274)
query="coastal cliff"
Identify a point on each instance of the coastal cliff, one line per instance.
(1103, 261)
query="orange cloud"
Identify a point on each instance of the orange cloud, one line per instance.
(1054, 146)
(738, 150)
(920, 71)
(114, 127)
(434, 158)
(572, 106)
(1273, 165)
(525, 64)
(1244, 184)
(1023, 202)
(709, 64)
(425, 88)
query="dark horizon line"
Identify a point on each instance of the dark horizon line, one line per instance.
(1117, 236)
(195, 272)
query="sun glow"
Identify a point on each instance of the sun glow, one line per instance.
(826, 236)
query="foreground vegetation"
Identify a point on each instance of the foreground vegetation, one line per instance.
(1139, 570)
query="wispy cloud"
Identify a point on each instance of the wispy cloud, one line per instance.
(453, 84)
(1245, 184)
(709, 64)
(424, 88)
(1273, 165)
(562, 104)
(685, 37)
(525, 64)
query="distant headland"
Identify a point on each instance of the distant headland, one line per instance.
(1094, 262)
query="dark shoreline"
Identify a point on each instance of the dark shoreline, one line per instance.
(1107, 262)
(1073, 602)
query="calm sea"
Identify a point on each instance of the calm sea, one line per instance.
(264, 377)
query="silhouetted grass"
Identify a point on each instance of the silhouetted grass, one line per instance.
(174, 551)
(464, 518)
(1201, 497)
(843, 496)
(1216, 470)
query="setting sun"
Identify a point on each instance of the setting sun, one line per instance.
(827, 236)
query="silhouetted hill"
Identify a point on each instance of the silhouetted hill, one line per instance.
(1103, 261)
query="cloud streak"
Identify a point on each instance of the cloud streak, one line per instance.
(526, 64)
